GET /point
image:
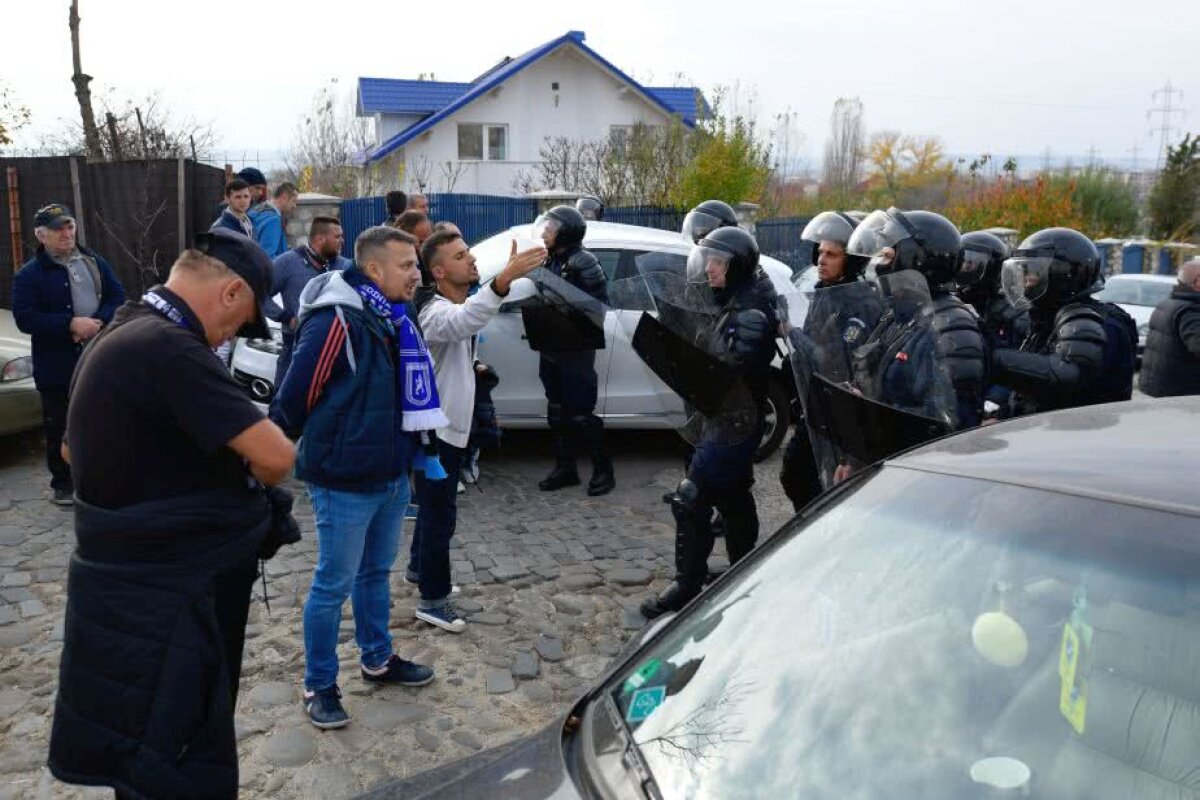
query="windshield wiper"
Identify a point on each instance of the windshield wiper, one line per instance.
(631, 756)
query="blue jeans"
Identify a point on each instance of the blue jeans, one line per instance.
(358, 537)
(437, 517)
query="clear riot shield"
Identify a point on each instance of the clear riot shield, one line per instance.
(561, 317)
(869, 373)
(683, 343)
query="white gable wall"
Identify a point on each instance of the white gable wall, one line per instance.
(590, 100)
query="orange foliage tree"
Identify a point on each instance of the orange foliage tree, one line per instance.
(1025, 206)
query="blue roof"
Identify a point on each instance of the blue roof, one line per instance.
(687, 101)
(378, 95)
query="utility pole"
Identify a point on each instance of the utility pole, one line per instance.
(1134, 151)
(1167, 105)
(91, 133)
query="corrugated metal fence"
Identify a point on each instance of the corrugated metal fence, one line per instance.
(780, 239)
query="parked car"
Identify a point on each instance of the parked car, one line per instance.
(630, 395)
(20, 403)
(1010, 611)
(1138, 295)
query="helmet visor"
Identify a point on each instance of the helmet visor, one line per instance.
(698, 224)
(708, 265)
(545, 228)
(876, 238)
(828, 226)
(974, 266)
(1025, 278)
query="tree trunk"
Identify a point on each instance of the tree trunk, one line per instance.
(91, 133)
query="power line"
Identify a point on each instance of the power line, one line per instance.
(1164, 104)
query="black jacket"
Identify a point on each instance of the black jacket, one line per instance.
(144, 702)
(1171, 363)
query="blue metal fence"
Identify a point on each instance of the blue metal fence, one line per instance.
(780, 239)
(664, 219)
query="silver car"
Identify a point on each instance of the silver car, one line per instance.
(1137, 295)
(630, 395)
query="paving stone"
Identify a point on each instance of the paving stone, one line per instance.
(500, 681)
(10, 535)
(9, 614)
(32, 608)
(586, 667)
(467, 740)
(12, 700)
(16, 635)
(549, 648)
(288, 748)
(631, 577)
(506, 572)
(632, 619)
(489, 618)
(469, 606)
(246, 726)
(22, 756)
(14, 579)
(537, 692)
(268, 695)
(51, 575)
(326, 782)
(427, 740)
(17, 595)
(526, 666)
(381, 716)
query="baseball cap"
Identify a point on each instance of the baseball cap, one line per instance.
(53, 216)
(245, 257)
(253, 176)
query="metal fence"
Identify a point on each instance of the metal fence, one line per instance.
(780, 239)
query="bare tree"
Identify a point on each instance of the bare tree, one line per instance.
(83, 94)
(136, 129)
(451, 172)
(14, 114)
(421, 168)
(329, 147)
(846, 149)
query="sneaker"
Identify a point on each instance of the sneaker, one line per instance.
(410, 511)
(399, 671)
(412, 578)
(445, 618)
(324, 708)
(461, 488)
(63, 497)
(470, 473)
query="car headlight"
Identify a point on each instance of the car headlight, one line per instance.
(17, 369)
(274, 345)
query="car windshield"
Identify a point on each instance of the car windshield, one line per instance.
(1135, 293)
(936, 637)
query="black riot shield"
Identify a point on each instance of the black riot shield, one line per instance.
(869, 373)
(562, 317)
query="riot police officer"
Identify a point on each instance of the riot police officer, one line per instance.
(844, 309)
(569, 378)
(1079, 350)
(930, 244)
(741, 333)
(706, 218)
(1003, 324)
(591, 207)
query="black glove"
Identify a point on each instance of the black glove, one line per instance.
(284, 529)
(751, 329)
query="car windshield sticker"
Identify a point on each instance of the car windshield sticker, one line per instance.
(644, 703)
(638, 679)
(1074, 665)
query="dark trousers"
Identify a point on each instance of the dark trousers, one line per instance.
(54, 424)
(801, 475)
(231, 601)
(437, 517)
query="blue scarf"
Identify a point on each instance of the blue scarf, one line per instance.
(420, 407)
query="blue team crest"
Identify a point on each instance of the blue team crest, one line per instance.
(418, 385)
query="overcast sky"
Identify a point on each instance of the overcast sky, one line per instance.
(1013, 77)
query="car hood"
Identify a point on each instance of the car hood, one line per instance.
(530, 768)
(13, 343)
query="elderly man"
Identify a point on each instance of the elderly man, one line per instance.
(1171, 363)
(61, 298)
(270, 218)
(171, 517)
(418, 202)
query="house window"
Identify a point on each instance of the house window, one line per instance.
(477, 142)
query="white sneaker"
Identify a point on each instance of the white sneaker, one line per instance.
(461, 488)
(445, 618)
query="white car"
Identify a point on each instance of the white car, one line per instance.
(630, 395)
(1138, 295)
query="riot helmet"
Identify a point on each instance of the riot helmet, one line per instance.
(923, 241)
(979, 278)
(1050, 269)
(837, 227)
(591, 207)
(708, 217)
(730, 251)
(561, 229)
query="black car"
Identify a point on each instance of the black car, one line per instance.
(1011, 611)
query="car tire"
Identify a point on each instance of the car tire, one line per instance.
(779, 418)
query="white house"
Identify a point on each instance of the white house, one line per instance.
(476, 137)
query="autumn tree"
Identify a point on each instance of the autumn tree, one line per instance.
(329, 148)
(1026, 206)
(910, 171)
(730, 160)
(14, 115)
(1175, 198)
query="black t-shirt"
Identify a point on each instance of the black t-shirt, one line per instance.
(152, 408)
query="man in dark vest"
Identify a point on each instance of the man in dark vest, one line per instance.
(1171, 363)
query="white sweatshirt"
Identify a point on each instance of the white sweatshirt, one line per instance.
(448, 329)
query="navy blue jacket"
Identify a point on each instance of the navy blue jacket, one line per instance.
(229, 221)
(290, 273)
(340, 394)
(42, 307)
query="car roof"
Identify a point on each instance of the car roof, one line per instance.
(1142, 277)
(1141, 453)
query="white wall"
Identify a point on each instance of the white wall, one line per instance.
(590, 99)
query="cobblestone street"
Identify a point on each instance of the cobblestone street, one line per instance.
(550, 584)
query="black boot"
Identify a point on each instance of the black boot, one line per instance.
(741, 524)
(564, 473)
(693, 544)
(603, 480)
